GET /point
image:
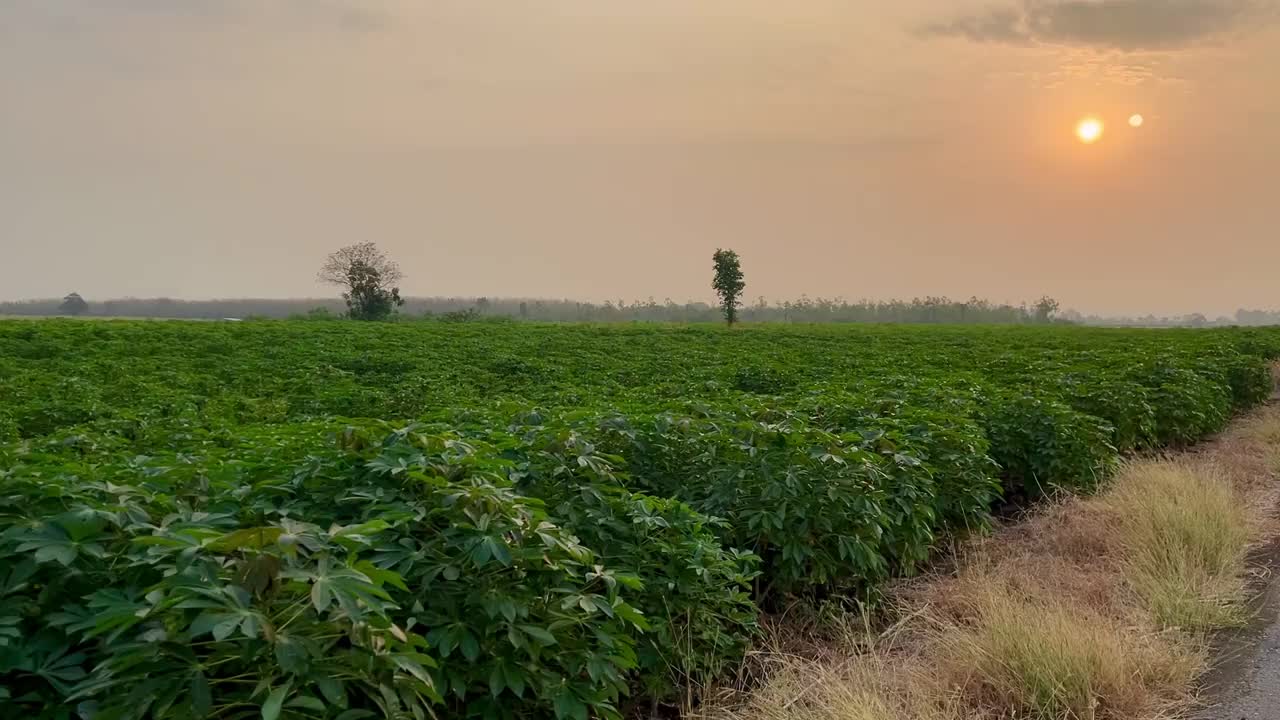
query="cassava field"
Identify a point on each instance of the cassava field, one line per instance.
(342, 520)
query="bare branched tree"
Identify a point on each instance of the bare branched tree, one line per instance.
(369, 278)
(337, 268)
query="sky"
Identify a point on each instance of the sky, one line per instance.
(600, 149)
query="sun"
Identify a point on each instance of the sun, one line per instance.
(1089, 130)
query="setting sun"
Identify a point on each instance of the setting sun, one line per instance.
(1089, 130)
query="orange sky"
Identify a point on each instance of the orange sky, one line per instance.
(600, 149)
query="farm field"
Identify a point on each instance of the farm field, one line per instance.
(343, 520)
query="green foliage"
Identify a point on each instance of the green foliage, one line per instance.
(193, 525)
(728, 283)
(421, 577)
(1188, 405)
(1041, 443)
(762, 380)
(1124, 404)
(366, 297)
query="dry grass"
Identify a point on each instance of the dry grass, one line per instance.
(1183, 531)
(1049, 659)
(1266, 432)
(1092, 609)
(874, 687)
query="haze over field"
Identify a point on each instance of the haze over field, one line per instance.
(602, 149)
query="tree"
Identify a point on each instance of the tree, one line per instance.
(1045, 308)
(728, 283)
(73, 304)
(369, 277)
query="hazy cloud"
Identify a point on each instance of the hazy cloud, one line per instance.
(350, 15)
(1118, 24)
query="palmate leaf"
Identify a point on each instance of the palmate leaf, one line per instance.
(50, 543)
(110, 612)
(353, 591)
(82, 524)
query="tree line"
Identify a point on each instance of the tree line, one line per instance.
(801, 310)
(369, 281)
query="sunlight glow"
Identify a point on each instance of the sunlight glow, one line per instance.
(1135, 120)
(1089, 130)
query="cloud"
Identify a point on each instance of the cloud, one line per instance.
(1114, 24)
(349, 15)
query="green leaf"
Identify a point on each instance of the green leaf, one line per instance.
(569, 707)
(221, 625)
(321, 596)
(81, 524)
(308, 702)
(63, 553)
(271, 708)
(499, 550)
(515, 678)
(201, 698)
(247, 538)
(333, 690)
(469, 646)
(292, 655)
(497, 680)
(540, 634)
(380, 576)
(413, 663)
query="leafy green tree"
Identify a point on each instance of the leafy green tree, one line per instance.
(369, 277)
(73, 304)
(728, 283)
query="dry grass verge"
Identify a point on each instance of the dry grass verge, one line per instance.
(1092, 609)
(1046, 658)
(1183, 530)
(875, 687)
